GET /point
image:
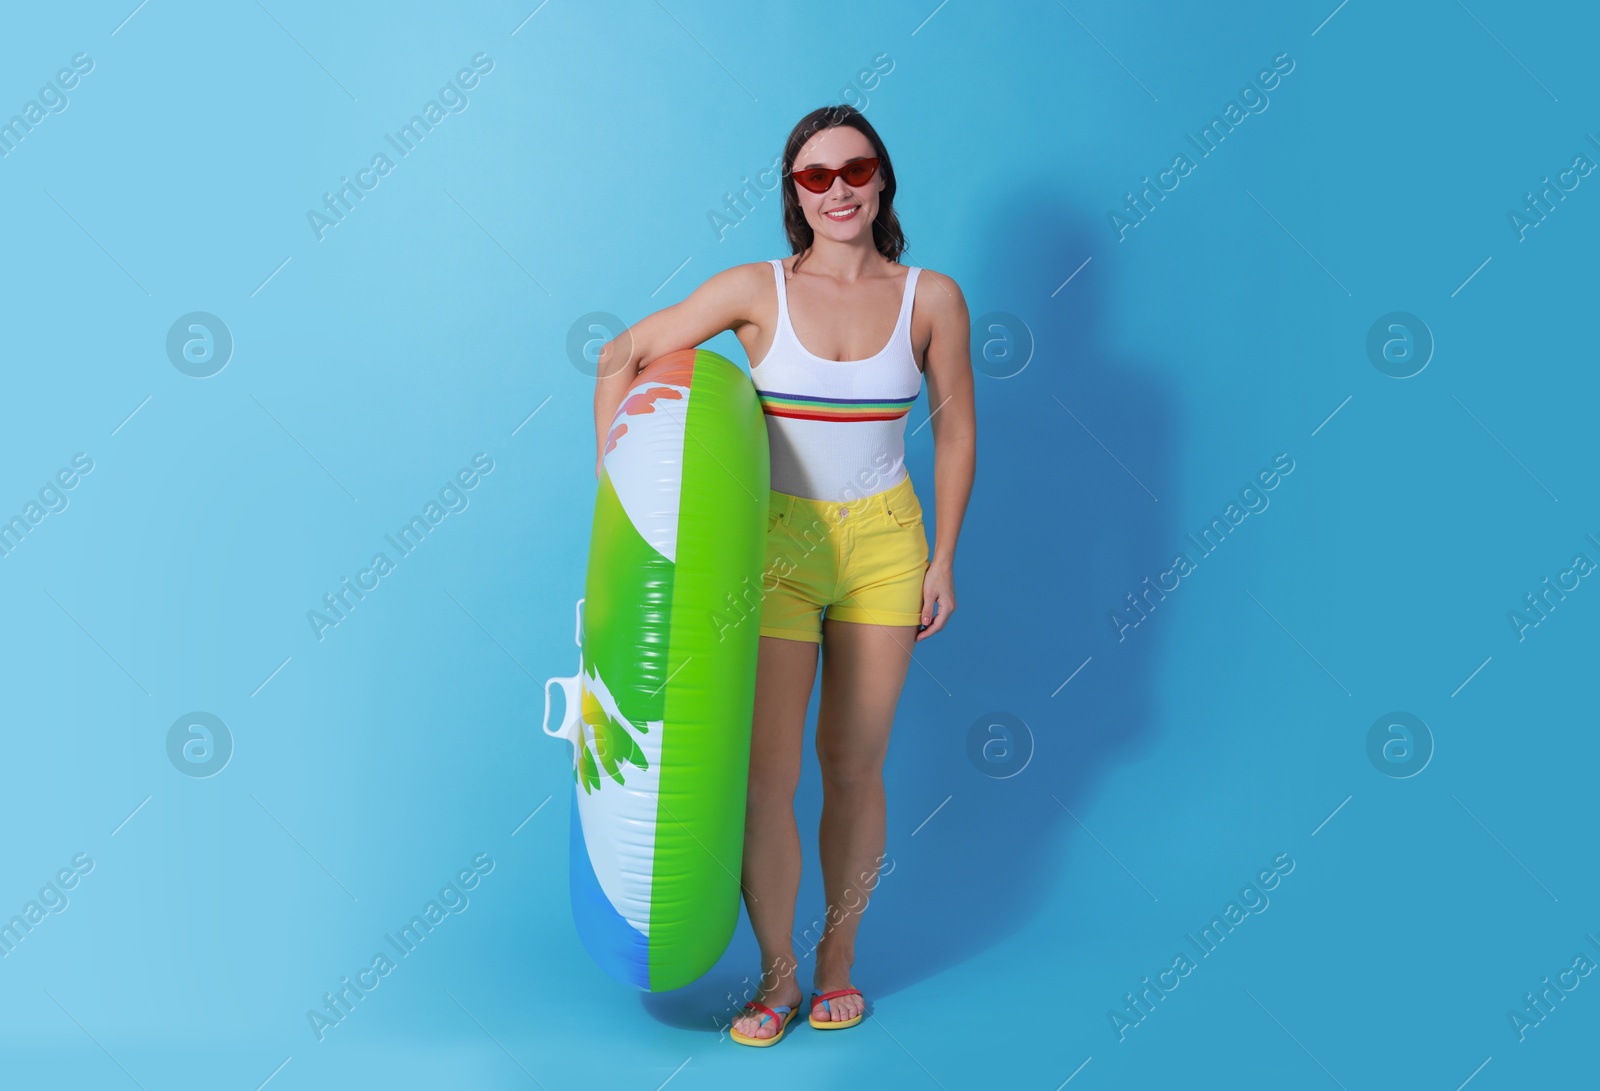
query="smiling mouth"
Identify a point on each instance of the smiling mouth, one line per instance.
(842, 214)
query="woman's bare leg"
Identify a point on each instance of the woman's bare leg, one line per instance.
(785, 672)
(863, 670)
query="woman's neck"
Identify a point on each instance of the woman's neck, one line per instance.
(846, 262)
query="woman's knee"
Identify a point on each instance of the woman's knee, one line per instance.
(771, 787)
(850, 772)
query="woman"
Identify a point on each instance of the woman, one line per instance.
(849, 572)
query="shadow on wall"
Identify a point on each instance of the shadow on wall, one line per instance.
(1057, 534)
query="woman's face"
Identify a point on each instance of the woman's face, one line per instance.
(856, 207)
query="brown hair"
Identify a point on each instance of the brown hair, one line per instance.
(886, 232)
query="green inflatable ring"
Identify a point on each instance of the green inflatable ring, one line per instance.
(658, 714)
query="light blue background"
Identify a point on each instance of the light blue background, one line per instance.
(372, 765)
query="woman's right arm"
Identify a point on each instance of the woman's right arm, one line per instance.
(723, 302)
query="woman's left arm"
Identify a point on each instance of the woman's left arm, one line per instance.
(948, 370)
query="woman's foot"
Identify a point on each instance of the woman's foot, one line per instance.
(837, 1009)
(758, 1024)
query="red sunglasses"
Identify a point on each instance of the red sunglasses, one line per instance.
(818, 179)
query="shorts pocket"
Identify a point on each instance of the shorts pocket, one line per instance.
(907, 513)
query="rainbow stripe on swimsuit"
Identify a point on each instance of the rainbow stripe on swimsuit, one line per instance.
(807, 407)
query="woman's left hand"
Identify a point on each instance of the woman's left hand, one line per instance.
(938, 588)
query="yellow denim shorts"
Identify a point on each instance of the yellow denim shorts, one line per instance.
(859, 560)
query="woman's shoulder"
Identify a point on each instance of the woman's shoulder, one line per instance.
(742, 282)
(936, 277)
(745, 274)
(939, 290)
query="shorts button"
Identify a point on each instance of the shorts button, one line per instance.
(843, 512)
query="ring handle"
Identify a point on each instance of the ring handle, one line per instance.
(572, 689)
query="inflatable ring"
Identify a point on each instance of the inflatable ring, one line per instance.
(659, 712)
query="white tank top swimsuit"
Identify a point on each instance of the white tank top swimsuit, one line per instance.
(836, 428)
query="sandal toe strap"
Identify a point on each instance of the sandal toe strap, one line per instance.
(825, 997)
(770, 1013)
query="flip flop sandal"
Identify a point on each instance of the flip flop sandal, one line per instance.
(782, 1021)
(829, 1024)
